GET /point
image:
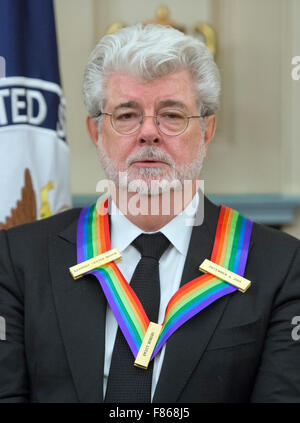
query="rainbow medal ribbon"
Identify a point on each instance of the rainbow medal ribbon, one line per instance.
(145, 338)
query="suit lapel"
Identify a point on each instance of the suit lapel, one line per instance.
(81, 308)
(186, 346)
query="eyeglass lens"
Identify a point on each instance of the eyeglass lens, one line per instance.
(169, 121)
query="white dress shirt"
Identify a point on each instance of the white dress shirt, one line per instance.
(171, 264)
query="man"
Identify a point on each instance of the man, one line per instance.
(151, 94)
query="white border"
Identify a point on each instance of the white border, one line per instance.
(32, 83)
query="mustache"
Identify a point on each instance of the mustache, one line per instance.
(150, 153)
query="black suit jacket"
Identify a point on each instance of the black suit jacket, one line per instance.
(239, 349)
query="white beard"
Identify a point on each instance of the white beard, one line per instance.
(151, 181)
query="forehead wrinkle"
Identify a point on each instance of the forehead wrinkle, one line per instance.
(120, 86)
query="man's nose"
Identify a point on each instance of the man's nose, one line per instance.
(149, 132)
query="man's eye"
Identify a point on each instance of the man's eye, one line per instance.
(171, 115)
(127, 116)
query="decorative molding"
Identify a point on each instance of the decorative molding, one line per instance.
(268, 209)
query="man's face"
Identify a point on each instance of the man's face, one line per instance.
(148, 154)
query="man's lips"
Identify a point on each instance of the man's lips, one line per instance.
(149, 163)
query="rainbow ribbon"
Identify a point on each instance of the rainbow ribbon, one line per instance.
(230, 250)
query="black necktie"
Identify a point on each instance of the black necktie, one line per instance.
(127, 383)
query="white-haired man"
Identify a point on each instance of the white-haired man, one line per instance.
(152, 94)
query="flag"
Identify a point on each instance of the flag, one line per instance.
(34, 155)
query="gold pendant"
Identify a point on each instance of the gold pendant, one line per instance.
(151, 336)
(226, 275)
(80, 269)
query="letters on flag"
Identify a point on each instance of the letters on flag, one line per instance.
(34, 171)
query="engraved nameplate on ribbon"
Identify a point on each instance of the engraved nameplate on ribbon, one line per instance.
(220, 272)
(148, 345)
(80, 269)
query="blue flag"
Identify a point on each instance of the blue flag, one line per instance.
(34, 167)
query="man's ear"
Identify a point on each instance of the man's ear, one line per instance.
(92, 129)
(210, 129)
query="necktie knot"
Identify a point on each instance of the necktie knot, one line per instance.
(151, 245)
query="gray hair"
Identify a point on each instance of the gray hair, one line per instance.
(148, 52)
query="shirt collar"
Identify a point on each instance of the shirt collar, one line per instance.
(123, 232)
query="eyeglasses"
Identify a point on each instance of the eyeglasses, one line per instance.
(170, 122)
